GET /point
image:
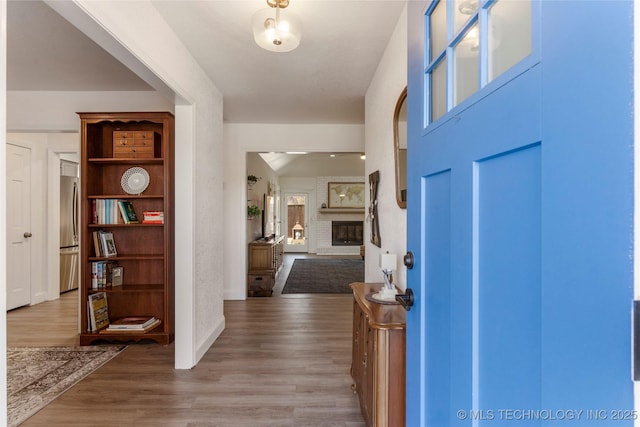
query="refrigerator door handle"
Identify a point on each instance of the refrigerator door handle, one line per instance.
(74, 210)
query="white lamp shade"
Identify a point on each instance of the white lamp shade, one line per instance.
(388, 262)
(281, 38)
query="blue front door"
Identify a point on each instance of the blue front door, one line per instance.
(520, 213)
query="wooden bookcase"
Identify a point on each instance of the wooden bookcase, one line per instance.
(145, 251)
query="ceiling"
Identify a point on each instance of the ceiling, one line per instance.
(323, 81)
(315, 164)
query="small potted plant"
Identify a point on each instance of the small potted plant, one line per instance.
(252, 179)
(253, 211)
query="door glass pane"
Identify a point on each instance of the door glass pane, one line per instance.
(462, 11)
(296, 220)
(438, 29)
(509, 34)
(439, 90)
(466, 66)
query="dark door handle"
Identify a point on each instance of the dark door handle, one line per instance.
(406, 299)
(408, 260)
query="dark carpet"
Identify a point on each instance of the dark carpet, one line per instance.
(323, 276)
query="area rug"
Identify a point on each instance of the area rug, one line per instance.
(323, 276)
(37, 375)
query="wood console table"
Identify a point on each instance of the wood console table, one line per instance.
(265, 260)
(378, 359)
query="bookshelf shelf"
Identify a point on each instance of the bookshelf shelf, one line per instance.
(109, 148)
(128, 196)
(126, 161)
(157, 287)
(96, 226)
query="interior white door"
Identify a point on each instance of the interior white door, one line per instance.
(297, 222)
(18, 226)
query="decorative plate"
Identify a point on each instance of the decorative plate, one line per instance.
(135, 180)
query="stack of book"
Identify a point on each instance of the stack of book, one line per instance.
(133, 324)
(105, 274)
(153, 217)
(103, 244)
(113, 211)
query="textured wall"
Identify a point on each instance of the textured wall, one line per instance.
(380, 102)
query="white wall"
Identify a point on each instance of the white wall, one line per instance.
(255, 195)
(239, 139)
(380, 101)
(37, 111)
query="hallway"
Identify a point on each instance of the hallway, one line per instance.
(279, 362)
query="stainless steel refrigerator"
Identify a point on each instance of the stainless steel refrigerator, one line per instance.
(69, 249)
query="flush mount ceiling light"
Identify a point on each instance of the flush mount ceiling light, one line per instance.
(274, 30)
(468, 7)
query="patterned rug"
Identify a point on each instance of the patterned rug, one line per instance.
(323, 276)
(37, 375)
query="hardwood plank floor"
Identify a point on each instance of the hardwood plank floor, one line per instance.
(280, 362)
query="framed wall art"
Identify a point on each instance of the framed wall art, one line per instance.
(374, 178)
(346, 195)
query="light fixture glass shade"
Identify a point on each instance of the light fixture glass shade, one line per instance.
(283, 36)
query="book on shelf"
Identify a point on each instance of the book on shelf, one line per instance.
(108, 245)
(128, 213)
(98, 311)
(132, 322)
(138, 330)
(97, 248)
(153, 217)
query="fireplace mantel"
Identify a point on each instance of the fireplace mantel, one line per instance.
(341, 210)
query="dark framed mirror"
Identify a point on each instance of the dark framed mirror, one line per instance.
(400, 148)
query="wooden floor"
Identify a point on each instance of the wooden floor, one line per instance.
(280, 362)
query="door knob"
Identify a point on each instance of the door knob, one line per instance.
(406, 300)
(408, 260)
(27, 234)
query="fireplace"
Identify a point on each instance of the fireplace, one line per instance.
(347, 233)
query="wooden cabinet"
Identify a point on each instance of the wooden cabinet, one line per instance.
(144, 251)
(378, 358)
(265, 260)
(136, 144)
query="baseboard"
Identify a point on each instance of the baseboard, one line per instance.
(337, 250)
(234, 294)
(204, 346)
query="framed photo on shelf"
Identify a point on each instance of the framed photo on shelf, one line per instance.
(108, 244)
(116, 276)
(346, 195)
